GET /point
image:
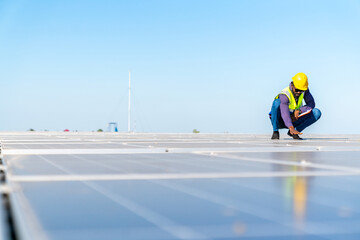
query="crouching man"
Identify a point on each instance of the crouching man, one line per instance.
(287, 110)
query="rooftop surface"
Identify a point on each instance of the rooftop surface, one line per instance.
(179, 186)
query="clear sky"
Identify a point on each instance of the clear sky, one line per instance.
(209, 65)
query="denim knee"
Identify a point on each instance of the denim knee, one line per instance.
(276, 103)
(317, 113)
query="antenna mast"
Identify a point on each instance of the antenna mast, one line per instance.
(129, 103)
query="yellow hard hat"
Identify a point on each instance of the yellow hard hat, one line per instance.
(300, 81)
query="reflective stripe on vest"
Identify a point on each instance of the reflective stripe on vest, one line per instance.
(292, 102)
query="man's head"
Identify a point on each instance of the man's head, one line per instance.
(299, 84)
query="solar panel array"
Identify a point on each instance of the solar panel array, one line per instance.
(179, 186)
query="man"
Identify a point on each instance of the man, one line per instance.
(287, 110)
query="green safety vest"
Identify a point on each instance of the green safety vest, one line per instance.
(293, 105)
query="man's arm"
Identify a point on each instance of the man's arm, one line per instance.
(285, 114)
(310, 102)
(284, 109)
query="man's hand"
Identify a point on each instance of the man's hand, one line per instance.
(296, 114)
(293, 131)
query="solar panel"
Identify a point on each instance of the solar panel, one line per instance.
(181, 186)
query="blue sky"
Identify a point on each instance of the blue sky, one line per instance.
(211, 65)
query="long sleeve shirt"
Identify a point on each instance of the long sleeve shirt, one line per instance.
(284, 106)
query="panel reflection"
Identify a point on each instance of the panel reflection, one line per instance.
(295, 188)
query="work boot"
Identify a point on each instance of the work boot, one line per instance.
(294, 136)
(275, 135)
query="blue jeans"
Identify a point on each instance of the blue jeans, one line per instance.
(300, 124)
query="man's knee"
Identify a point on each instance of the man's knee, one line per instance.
(317, 113)
(276, 103)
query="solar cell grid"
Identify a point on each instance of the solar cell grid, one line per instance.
(182, 186)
